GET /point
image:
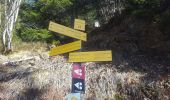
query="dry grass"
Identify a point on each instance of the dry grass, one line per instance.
(34, 46)
(49, 78)
(17, 46)
(103, 81)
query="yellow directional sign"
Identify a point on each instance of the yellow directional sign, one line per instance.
(65, 48)
(90, 56)
(79, 24)
(67, 31)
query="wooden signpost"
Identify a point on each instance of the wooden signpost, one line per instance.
(65, 48)
(67, 31)
(78, 71)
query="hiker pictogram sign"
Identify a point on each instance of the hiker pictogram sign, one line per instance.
(78, 86)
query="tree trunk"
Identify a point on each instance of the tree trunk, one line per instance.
(108, 8)
(11, 14)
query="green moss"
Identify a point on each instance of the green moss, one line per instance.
(119, 85)
(118, 97)
(56, 42)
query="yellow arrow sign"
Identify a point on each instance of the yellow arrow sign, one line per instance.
(79, 24)
(90, 56)
(67, 31)
(65, 48)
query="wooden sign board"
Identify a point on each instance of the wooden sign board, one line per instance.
(67, 31)
(90, 56)
(65, 48)
(79, 24)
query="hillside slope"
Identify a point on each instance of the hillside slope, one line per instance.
(136, 41)
(131, 35)
(32, 75)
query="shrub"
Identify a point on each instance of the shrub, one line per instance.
(165, 22)
(30, 34)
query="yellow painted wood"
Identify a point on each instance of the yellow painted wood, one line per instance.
(93, 56)
(79, 24)
(67, 31)
(65, 48)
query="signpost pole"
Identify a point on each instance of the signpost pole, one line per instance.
(78, 79)
(78, 71)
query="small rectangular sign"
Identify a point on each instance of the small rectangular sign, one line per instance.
(65, 48)
(67, 31)
(74, 96)
(90, 56)
(78, 85)
(79, 24)
(78, 71)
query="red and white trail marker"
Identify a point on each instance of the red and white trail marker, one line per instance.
(78, 71)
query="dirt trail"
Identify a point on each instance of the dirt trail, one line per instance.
(29, 75)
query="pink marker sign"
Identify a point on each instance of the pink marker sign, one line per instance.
(78, 71)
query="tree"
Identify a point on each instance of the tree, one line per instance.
(35, 18)
(108, 8)
(11, 9)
